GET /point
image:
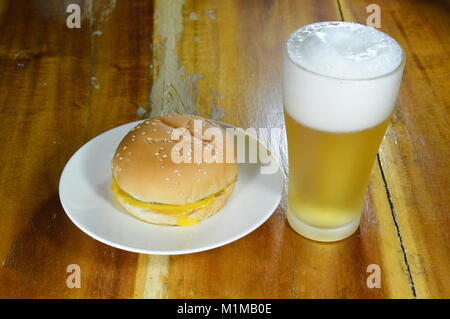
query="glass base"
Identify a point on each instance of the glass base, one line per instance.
(321, 234)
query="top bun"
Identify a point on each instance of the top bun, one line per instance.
(143, 166)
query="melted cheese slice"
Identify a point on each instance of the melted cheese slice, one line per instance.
(162, 208)
(186, 221)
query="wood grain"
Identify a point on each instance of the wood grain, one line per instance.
(49, 109)
(415, 154)
(60, 87)
(242, 43)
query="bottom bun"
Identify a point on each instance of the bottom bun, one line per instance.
(183, 219)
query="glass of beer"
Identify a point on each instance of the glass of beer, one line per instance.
(340, 84)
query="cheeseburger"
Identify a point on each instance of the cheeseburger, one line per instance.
(167, 171)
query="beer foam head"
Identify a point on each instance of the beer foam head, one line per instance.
(344, 50)
(341, 76)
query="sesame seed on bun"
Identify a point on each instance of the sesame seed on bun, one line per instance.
(151, 182)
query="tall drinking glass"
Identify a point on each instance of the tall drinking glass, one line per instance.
(340, 83)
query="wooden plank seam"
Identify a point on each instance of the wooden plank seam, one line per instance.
(397, 227)
(391, 204)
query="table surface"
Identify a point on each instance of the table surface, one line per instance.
(60, 87)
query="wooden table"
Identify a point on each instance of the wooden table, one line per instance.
(60, 87)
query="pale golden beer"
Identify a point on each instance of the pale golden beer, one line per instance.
(330, 172)
(336, 118)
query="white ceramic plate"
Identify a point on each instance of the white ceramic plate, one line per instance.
(86, 196)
